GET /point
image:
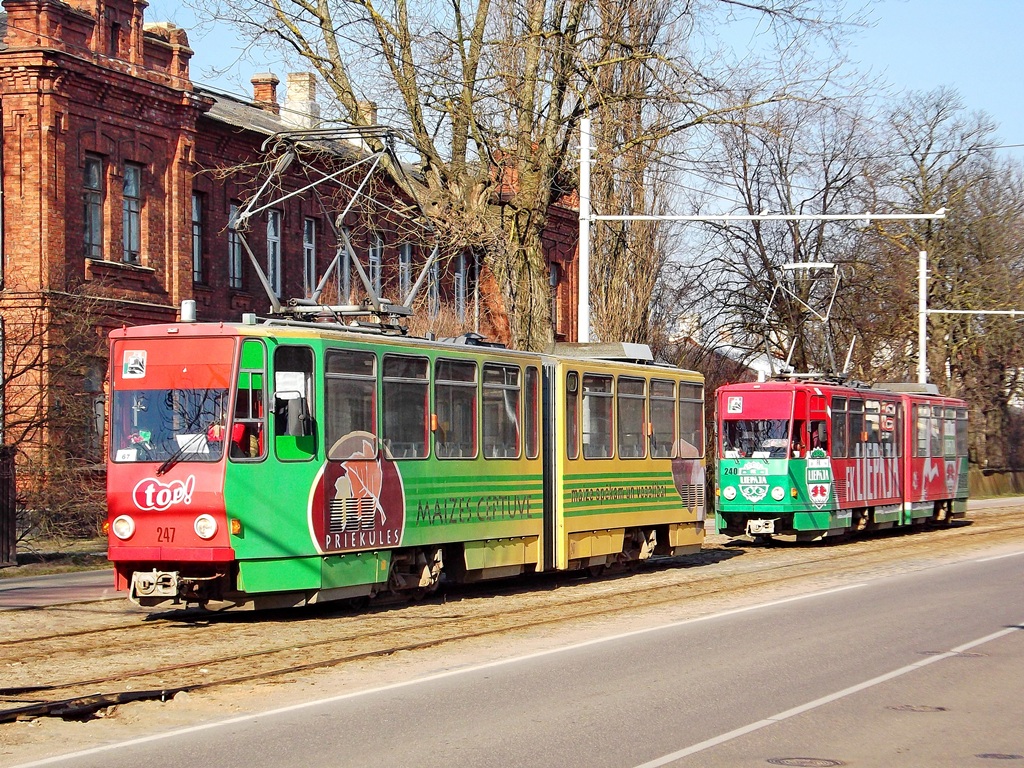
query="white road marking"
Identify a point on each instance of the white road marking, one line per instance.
(756, 726)
(998, 557)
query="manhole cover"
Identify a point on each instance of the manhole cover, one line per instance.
(999, 756)
(917, 708)
(805, 762)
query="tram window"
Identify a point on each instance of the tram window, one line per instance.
(819, 435)
(247, 429)
(350, 389)
(888, 443)
(632, 394)
(597, 416)
(949, 434)
(757, 438)
(531, 422)
(961, 431)
(839, 427)
(921, 427)
(501, 411)
(572, 415)
(691, 420)
(294, 438)
(872, 429)
(405, 391)
(663, 418)
(935, 431)
(857, 434)
(455, 406)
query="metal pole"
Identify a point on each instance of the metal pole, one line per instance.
(922, 317)
(583, 305)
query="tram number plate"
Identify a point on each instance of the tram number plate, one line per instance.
(760, 527)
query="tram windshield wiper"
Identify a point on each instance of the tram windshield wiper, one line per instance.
(183, 447)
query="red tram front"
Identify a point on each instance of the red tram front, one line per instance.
(812, 459)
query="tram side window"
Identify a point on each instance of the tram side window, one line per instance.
(873, 429)
(572, 415)
(921, 428)
(949, 434)
(501, 411)
(632, 394)
(597, 416)
(531, 420)
(663, 418)
(294, 438)
(839, 431)
(405, 392)
(961, 431)
(935, 431)
(857, 434)
(247, 429)
(691, 421)
(455, 407)
(350, 389)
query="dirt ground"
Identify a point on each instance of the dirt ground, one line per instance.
(499, 622)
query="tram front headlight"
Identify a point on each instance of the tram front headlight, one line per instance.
(778, 493)
(205, 527)
(123, 527)
(729, 493)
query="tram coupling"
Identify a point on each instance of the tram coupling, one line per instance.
(147, 585)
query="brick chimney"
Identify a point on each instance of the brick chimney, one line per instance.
(264, 88)
(300, 107)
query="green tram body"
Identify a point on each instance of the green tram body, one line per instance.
(275, 465)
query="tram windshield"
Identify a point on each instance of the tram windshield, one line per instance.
(755, 438)
(156, 424)
(170, 399)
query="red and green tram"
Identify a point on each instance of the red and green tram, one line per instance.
(812, 459)
(277, 464)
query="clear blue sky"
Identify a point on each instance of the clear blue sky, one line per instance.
(973, 46)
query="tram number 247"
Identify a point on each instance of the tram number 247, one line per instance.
(165, 535)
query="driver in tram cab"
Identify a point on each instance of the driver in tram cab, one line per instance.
(240, 447)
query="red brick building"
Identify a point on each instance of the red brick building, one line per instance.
(114, 196)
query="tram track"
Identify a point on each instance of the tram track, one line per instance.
(368, 636)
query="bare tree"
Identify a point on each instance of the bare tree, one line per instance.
(940, 155)
(797, 158)
(491, 94)
(54, 365)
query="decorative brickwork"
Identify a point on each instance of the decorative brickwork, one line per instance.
(116, 184)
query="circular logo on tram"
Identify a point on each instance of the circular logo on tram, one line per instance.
(357, 500)
(753, 481)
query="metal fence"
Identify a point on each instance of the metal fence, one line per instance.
(8, 508)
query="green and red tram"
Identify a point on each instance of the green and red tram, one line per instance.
(811, 459)
(281, 464)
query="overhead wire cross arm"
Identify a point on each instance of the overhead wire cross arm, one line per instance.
(587, 217)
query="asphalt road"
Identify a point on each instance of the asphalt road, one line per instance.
(920, 669)
(58, 589)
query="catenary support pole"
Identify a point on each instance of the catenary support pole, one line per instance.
(583, 304)
(922, 317)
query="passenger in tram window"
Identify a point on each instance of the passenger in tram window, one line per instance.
(819, 435)
(797, 448)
